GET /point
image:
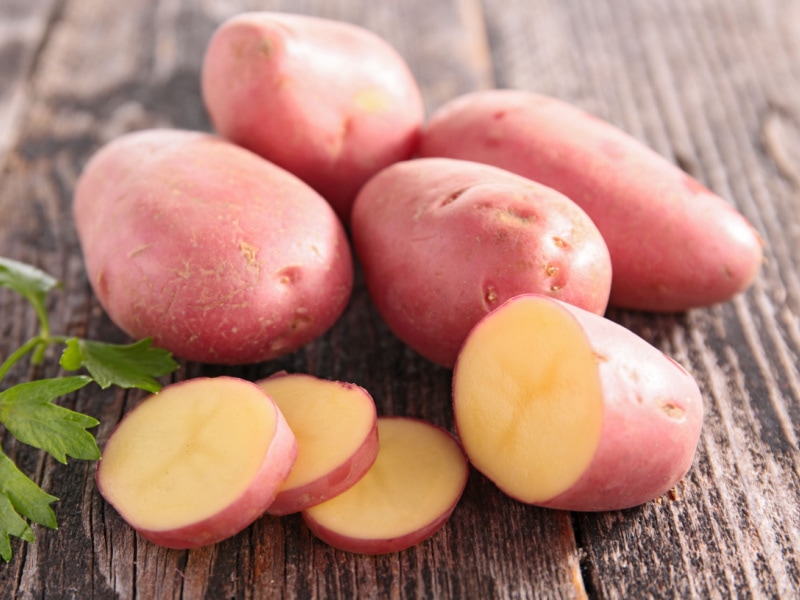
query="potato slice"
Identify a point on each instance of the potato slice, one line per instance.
(566, 409)
(408, 494)
(336, 428)
(197, 462)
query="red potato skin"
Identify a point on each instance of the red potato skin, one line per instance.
(382, 546)
(329, 101)
(674, 244)
(443, 242)
(651, 427)
(240, 514)
(653, 415)
(219, 255)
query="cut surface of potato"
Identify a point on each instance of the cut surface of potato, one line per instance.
(407, 495)
(335, 424)
(197, 462)
(528, 400)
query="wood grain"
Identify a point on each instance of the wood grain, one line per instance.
(713, 85)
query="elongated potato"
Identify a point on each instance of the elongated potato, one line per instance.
(674, 244)
(565, 409)
(443, 242)
(217, 254)
(329, 101)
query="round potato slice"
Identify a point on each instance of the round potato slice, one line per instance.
(336, 428)
(408, 494)
(197, 462)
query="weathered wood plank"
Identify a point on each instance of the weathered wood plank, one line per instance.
(712, 86)
(23, 30)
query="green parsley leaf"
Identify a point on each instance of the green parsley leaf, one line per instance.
(28, 413)
(30, 282)
(126, 366)
(21, 496)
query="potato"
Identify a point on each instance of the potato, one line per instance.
(408, 494)
(565, 409)
(197, 462)
(217, 254)
(329, 101)
(674, 244)
(443, 242)
(336, 428)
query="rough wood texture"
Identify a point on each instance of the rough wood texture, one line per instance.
(714, 85)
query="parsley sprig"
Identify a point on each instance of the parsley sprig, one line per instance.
(27, 410)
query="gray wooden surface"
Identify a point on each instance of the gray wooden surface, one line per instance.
(714, 85)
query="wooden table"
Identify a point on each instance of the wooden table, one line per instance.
(713, 85)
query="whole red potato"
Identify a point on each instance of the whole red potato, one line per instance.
(217, 254)
(329, 101)
(443, 242)
(674, 244)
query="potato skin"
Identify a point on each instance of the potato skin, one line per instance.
(217, 254)
(378, 546)
(674, 244)
(443, 242)
(651, 426)
(328, 101)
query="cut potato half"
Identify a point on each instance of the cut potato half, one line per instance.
(563, 408)
(408, 494)
(336, 428)
(197, 462)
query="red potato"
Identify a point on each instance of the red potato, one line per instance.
(408, 495)
(197, 462)
(336, 428)
(443, 242)
(674, 244)
(329, 101)
(565, 409)
(217, 254)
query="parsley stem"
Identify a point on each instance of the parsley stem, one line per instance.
(44, 330)
(38, 352)
(36, 344)
(13, 358)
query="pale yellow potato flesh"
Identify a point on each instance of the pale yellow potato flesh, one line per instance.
(418, 475)
(188, 452)
(330, 421)
(528, 400)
